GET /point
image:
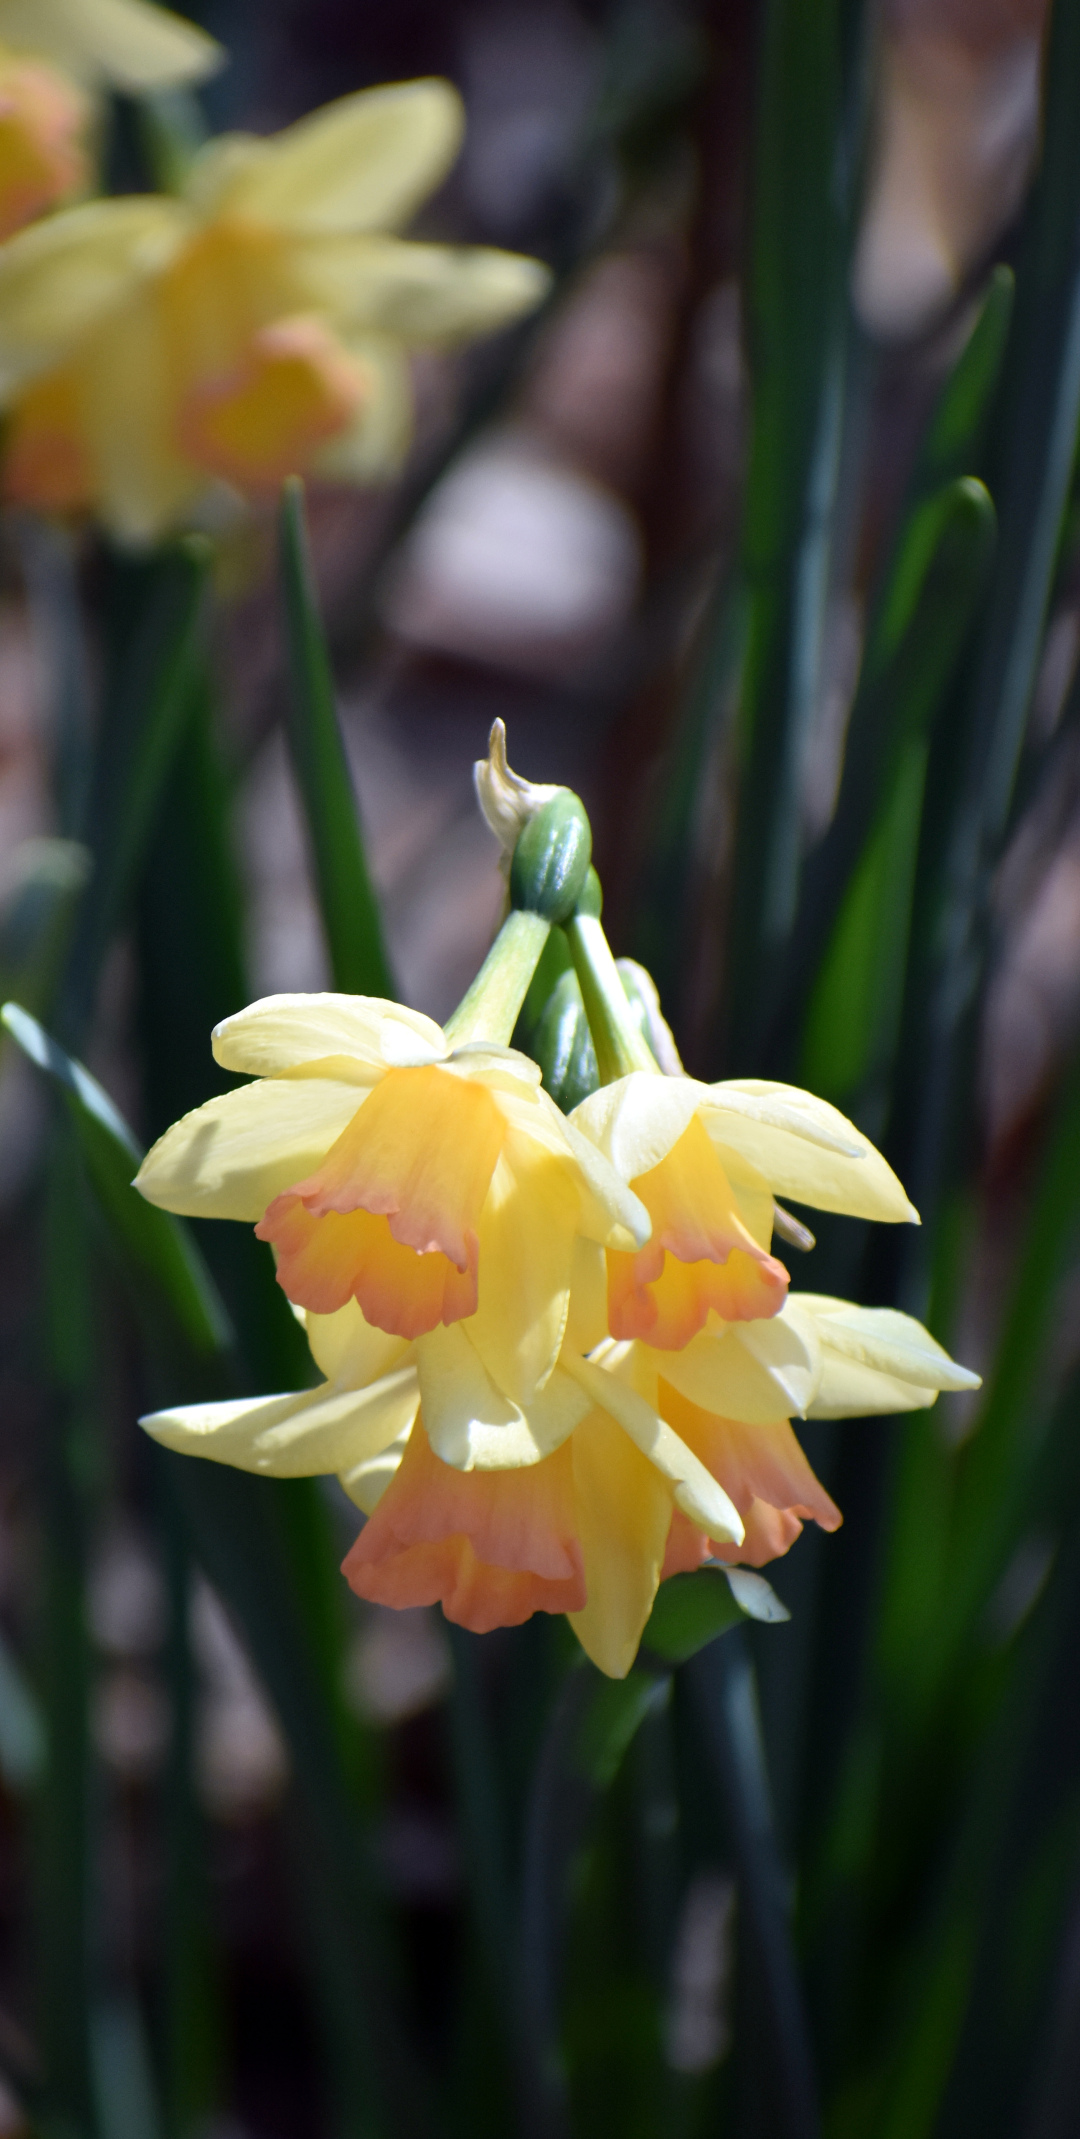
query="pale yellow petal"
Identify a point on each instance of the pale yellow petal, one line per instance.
(586, 1321)
(849, 1390)
(875, 1359)
(754, 1371)
(365, 1483)
(883, 1337)
(804, 1148)
(696, 1492)
(471, 1424)
(502, 1069)
(623, 1511)
(348, 1350)
(609, 1212)
(527, 1231)
(125, 43)
(143, 484)
(637, 1120)
(302, 1436)
(59, 276)
(365, 162)
(230, 1158)
(753, 1197)
(420, 294)
(287, 1032)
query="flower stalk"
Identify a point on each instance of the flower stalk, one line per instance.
(620, 1046)
(489, 1008)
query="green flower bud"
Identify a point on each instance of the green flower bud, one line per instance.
(551, 859)
(563, 1046)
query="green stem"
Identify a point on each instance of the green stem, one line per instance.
(489, 1008)
(619, 1045)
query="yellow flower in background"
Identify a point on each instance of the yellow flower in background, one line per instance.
(53, 54)
(265, 330)
(434, 1196)
(43, 153)
(110, 44)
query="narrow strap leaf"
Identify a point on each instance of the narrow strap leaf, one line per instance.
(347, 899)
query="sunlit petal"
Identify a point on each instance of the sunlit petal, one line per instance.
(288, 1032)
(472, 1423)
(320, 1430)
(624, 1509)
(805, 1149)
(231, 1157)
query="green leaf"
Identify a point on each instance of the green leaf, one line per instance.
(803, 172)
(241, 1529)
(954, 441)
(151, 693)
(158, 1246)
(1036, 435)
(851, 941)
(611, 1720)
(22, 1732)
(973, 772)
(690, 1610)
(347, 900)
(38, 915)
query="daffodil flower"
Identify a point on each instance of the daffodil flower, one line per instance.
(707, 1161)
(264, 330)
(647, 1463)
(53, 55)
(437, 1187)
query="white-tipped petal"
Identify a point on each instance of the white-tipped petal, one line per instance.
(805, 1148)
(507, 802)
(290, 1032)
(230, 1158)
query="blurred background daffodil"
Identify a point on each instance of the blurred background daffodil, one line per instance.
(54, 56)
(260, 325)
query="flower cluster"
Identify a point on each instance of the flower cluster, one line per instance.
(560, 1357)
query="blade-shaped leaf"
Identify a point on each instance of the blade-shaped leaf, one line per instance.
(347, 900)
(158, 1246)
(151, 693)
